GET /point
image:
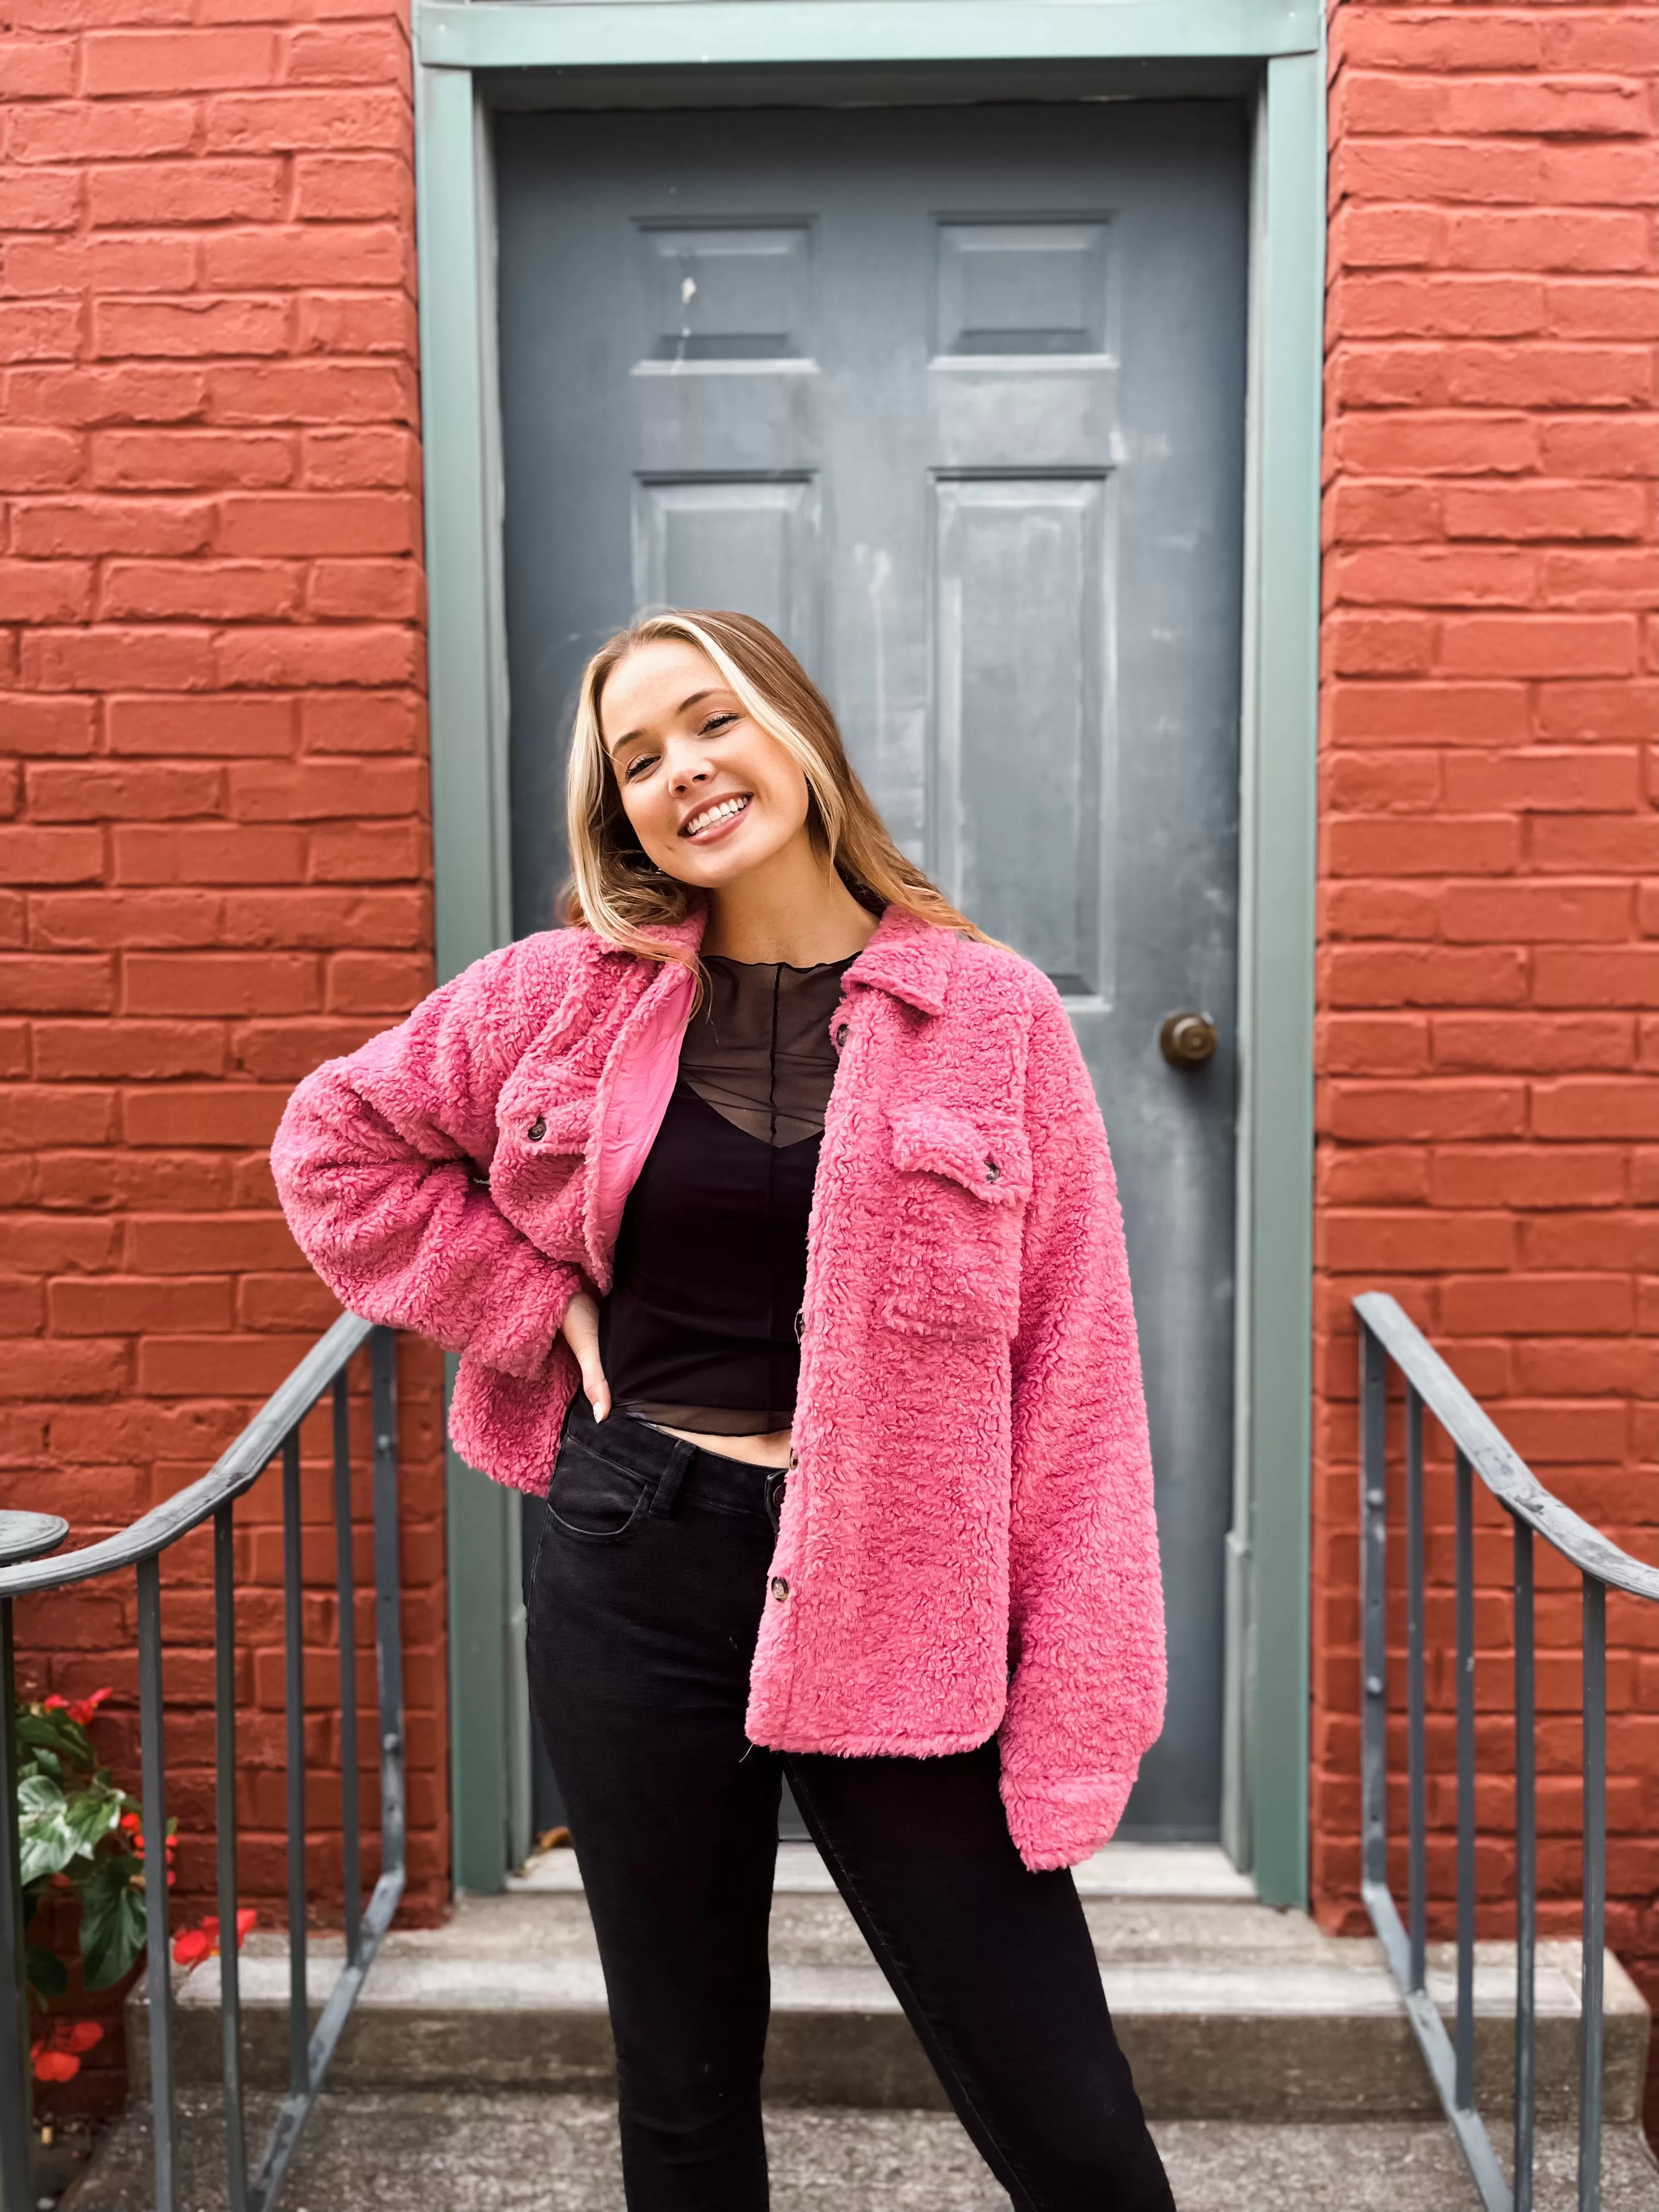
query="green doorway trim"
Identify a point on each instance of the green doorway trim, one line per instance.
(683, 54)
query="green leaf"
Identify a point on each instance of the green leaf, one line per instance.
(46, 1970)
(111, 1923)
(42, 1761)
(46, 1842)
(92, 1813)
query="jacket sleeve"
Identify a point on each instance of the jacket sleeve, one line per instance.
(381, 1161)
(1086, 1596)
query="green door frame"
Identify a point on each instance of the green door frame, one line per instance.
(470, 59)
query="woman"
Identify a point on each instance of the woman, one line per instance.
(769, 1208)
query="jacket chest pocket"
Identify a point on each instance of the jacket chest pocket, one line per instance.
(963, 1178)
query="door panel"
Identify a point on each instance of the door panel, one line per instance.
(953, 399)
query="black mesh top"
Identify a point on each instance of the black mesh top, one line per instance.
(698, 1330)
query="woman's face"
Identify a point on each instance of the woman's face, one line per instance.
(709, 792)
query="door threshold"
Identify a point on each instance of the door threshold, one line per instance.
(1198, 1871)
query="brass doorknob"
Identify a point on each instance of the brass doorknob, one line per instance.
(1187, 1040)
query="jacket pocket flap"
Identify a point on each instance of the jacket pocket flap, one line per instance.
(987, 1153)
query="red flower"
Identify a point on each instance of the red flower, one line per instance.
(57, 2066)
(54, 1704)
(245, 1920)
(82, 2034)
(192, 1946)
(83, 1709)
(130, 1822)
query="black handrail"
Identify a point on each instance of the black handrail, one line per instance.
(275, 1429)
(1386, 1336)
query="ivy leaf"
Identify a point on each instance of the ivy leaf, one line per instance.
(47, 1972)
(111, 1923)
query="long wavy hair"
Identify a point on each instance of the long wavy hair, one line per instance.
(616, 890)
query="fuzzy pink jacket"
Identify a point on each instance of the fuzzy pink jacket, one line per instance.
(967, 1542)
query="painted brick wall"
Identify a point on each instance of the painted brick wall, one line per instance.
(215, 841)
(1489, 969)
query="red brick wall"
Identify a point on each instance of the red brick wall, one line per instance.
(214, 796)
(1489, 969)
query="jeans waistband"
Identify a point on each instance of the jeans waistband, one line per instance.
(676, 1467)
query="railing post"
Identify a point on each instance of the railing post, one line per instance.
(224, 1733)
(1464, 2041)
(299, 2025)
(159, 1974)
(1526, 1871)
(1374, 1624)
(1595, 1893)
(388, 1602)
(16, 2191)
(1416, 1698)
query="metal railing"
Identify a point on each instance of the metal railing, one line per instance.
(275, 1429)
(1386, 1336)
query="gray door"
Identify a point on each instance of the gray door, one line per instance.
(953, 398)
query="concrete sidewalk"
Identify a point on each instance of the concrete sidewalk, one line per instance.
(427, 2152)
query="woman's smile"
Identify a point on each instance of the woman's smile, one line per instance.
(716, 820)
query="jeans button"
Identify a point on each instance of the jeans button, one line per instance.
(780, 1588)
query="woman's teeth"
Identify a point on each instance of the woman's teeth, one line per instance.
(723, 813)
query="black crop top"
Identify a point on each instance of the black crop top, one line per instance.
(698, 1330)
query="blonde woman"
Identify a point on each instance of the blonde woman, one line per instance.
(769, 1208)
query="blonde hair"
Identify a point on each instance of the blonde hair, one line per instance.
(617, 891)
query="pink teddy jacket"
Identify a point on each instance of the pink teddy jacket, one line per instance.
(968, 1544)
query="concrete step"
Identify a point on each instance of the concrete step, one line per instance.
(428, 2151)
(1229, 2010)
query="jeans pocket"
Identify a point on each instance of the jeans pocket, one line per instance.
(591, 1498)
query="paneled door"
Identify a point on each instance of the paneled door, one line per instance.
(953, 398)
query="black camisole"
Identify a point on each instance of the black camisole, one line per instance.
(698, 1330)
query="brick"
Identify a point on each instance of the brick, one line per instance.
(203, 1115)
(1425, 1111)
(1408, 446)
(32, 1115)
(285, 1051)
(207, 852)
(1382, 511)
(285, 523)
(46, 529)
(1415, 1243)
(369, 852)
(175, 60)
(312, 392)
(122, 393)
(1536, 1306)
(163, 261)
(121, 1305)
(1537, 645)
(1603, 781)
(219, 983)
(357, 591)
(327, 920)
(356, 322)
(31, 855)
(40, 199)
(39, 330)
(85, 922)
(37, 459)
(154, 1050)
(1424, 576)
(193, 192)
(1605, 176)
(1396, 781)
(131, 131)
(1424, 169)
(232, 727)
(159, 660)
(319, 789)
(1582, 240)
(1607, 976)
(169, 1366)
(31, 984)
(228, 590)
(183, 329)
(1430, 714)
(1545, 510)
(306, 122)
(1591, 1107)
(1437, 306)
(1529, 1043)
(343, 188)
(1533, 375)
(188, 460)
(1527, 1175)
(359, 53)
(1606, 577)
(1605, 843)
(1382, 645)
(52, 1367)
(372, 982)
(1548, 913)
(1474, 844)
(270, 258)
(197, 1244)
(297, 656)
(85, 791)
(45, 591)
(1599, 445)
(1605, 1239)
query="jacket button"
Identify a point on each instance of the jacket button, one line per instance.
(780, 1588)
(801, 1324)
(794, 1457)
(992, 1170)
(537, 1130)
(841, 1035)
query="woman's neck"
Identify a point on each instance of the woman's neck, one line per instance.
(802, 921)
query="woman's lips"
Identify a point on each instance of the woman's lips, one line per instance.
(716, 829)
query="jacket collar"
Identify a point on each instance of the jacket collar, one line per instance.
(906, 957)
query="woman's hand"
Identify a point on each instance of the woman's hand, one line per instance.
(580, 1330)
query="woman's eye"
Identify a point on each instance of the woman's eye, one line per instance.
(717, 722)
(630, 774)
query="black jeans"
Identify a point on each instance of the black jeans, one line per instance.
(645, 1597)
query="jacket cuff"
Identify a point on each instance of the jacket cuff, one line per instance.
(515, 1332)
(1057, 1824)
